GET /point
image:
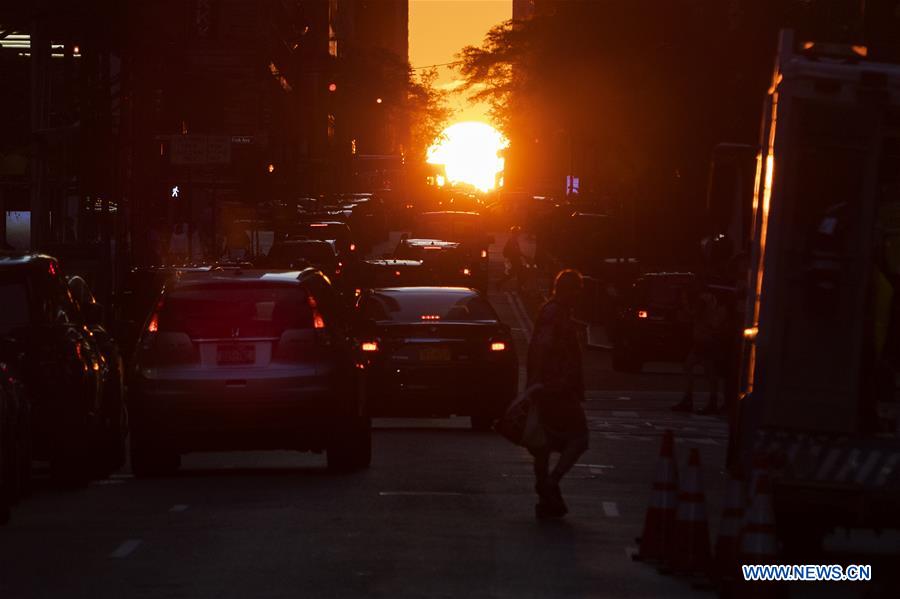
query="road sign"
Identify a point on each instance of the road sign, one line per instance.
(200, 149)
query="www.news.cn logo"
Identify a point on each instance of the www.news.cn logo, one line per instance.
(807, 572)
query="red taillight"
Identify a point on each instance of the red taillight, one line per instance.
(498, 346)
(642, 314)
(396, 273)
(466, 271)
(369, 346)
(153, 325)
(431, 317)
(484, 253)
(352, 247)
(318, 321)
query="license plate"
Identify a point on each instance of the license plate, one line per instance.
(435, 354)
(235, 354)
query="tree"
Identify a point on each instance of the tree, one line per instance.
(429, 113)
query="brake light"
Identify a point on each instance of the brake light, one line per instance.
(431, 317)
(153, 325)
(357, 292)
(466, 272)
(484, 253)
(318, 225)
(370, 346)
(352, 247)
(642, 314)
(318, 321)
(396, 273)
(498, 346)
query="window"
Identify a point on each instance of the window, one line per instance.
(411, 307)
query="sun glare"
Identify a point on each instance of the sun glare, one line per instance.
(470, 152)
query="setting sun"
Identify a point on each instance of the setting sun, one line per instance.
(470, 153)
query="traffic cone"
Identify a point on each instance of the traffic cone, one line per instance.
(659, 523)
(727, 543)
(689, 552)
(758, 545)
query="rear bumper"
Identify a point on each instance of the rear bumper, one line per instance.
(441, 391)
(188, 417)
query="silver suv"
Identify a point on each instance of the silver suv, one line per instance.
(247, 360)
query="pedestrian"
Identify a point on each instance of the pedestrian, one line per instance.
(554, 363)
(708, 344)
(515, 258)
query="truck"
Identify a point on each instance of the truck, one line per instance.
(821, 349)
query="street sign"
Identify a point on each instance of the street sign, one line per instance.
(200, 149)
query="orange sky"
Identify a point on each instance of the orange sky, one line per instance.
(438, 29)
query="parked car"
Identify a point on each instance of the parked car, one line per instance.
(15, 433)
(114, 410)
(652, 322)
(437, 351)
(248, 360)
(449, 262)
(75, 393)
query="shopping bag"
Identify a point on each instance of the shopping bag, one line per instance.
(520, 422)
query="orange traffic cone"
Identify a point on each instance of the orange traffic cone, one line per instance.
(726, 553)
(689, 552)
(758, 544)
(659, 523)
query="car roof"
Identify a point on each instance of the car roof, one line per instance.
(246, 277)
(441, 243)
(458, 291)
(392, 262)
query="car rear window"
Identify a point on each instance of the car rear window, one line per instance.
(314, 252)
(386, 276)
(14, 299)
(236, 310)
(418, 307)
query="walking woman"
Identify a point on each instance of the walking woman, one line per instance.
(554, 362)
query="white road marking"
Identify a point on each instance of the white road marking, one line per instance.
(420, 494)
(610, 509)
(125, 549)
(179, 507)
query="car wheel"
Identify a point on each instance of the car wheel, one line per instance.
(148, 461)
(352, 451)
(624, 361)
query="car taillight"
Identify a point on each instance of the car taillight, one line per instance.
(430, 317)
(352, 247)
(466, 272)
(369, 346)
(642, 314)
(498, 346)
(153, 325)
(484, 253)
(318, 321)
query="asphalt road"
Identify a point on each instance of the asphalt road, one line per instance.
(443, 512)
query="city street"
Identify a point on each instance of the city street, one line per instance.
(442, 512)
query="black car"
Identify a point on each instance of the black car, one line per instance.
(386, 272)
(652, 323)
(469, 229)
(75, 394)
(248, 360)
(448, 261)
(292, 254)
(436, 351)
(326, 230)
(15, 433)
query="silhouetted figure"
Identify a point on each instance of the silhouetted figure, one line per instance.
(708, 343)
(515, 259)
(554, 363)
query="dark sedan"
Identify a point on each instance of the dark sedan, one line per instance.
(437, 351)
(652, 324)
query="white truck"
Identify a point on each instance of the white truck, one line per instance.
(821, 355)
